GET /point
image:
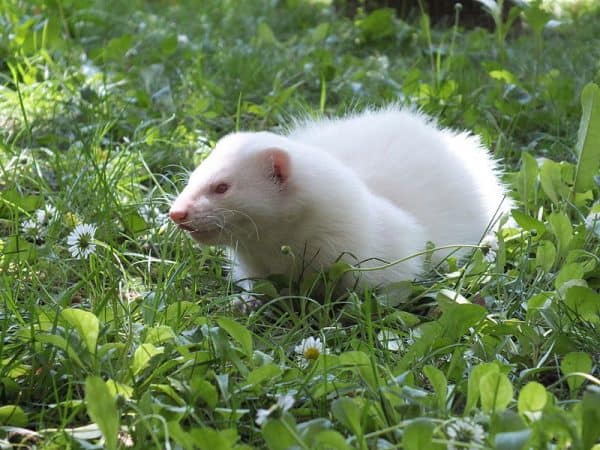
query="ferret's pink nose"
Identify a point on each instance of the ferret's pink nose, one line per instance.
(178, 215)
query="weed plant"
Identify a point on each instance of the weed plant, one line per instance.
(116, 331)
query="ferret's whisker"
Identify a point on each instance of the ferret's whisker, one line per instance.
(243, 214)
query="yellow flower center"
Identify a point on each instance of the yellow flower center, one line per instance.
(311, 353)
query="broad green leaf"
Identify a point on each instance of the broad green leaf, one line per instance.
(331, 440)
(319, 33)
(455, 321)
(348, 413)
(183, 312)
(279, 435)
(439, 383)
(503, 75)
(511, 440)
(590, 409)
(310, 429)
(220, 341)
(526, 180)
(588, 260)
(210, 439)
(168, 390)
(159, 335)
(15, 200)
(12, 200)
(169, 45)
(12, 415)
(568, 272)
(362, 363)
(337, 270)
(584, 303)
(142, 357)
(536, 16)
(447, 89)
(552, 183)
(496, 392)
(583, 199)
(239, 333)
(102, 409)
(575, 362)
(86, 324)
(588, 139)
(111, 348)
(206, 391)
(417, 435)
(505, 421)
(262, 373)
(538, 302)
(545, 256)
(473, 390)
(115, 49)
(528, 223)
(265, 288)
(115, 388)
(532, 397)
(265, 35)
(223, 384)
(394, 294)
(135, 224)
(180, 436)
(561, 227)
(457, 317)
(60, 342)
(17, 249)
(377, 25)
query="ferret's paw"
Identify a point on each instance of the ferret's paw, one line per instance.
(245, 303)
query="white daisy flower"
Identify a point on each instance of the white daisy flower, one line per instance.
(32, 230)
(35, 229)
(261, 416)
(464, 431)
(45, 215)
(592, 223)
(284, 404)
(490, 256)
(492, 6)
(81, 241)
(310, 349)
(489, 247)
(125, 439)
(390, 340)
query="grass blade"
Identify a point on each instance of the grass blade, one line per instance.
(588, 139)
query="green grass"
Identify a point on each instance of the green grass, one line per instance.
(104, 107)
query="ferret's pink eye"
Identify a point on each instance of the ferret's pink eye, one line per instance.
(221, 188)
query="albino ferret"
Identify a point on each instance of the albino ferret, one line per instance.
(370, 188)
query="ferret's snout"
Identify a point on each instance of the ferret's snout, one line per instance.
(181, 213)
(180, 209)
(178, 215)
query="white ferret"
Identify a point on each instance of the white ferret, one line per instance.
(370, 188)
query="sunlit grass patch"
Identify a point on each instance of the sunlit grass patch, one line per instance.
(126, 334)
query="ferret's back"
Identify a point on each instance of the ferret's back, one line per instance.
(444, 178)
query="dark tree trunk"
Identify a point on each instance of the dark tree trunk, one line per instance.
(472, 13)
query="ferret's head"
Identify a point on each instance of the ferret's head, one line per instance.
(240, 191)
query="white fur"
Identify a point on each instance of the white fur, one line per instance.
(380, 184)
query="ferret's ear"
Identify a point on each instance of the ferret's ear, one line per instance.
(277, 164)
